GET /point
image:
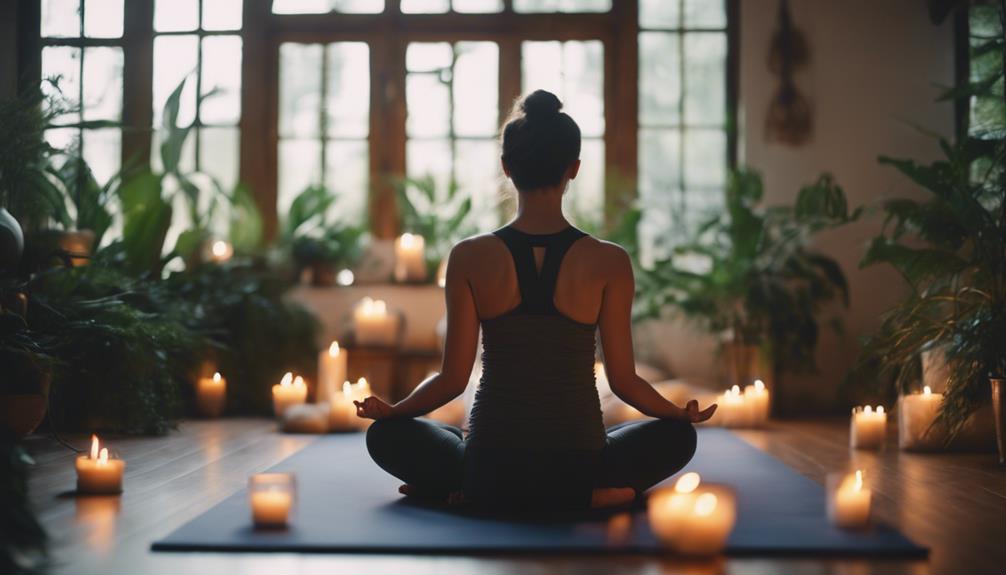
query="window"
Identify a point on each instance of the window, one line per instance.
(574, 71)
(453, 114)
(82, 55)
(683, 122)
(323, 6)
(324, 123)
(561, 5)
(441, 6)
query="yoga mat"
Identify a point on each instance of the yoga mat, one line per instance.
(346, 504)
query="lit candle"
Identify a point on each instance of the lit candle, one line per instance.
(360, 392)
(733, 410)
(410, 259)
(442, 274)
(306, 418)
(97, 473)
(848, 500)
(757, 397)
(289, 391)
(345, 277)
(342, 411)
(916, 414)
(868, 427)
(331, 371)
(271, 497)
(373, 324)
(211, 393)
(221, 251)
(692, 518)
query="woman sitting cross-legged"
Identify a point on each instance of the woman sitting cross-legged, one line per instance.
(539, 289)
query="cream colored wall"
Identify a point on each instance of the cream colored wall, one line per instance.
(875, 70)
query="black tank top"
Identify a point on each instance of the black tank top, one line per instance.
(537, 390)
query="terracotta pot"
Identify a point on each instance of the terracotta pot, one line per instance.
(22, 413)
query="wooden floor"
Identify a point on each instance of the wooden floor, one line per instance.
(954, 504)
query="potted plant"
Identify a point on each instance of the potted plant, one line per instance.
(749, 276)
(441, 217)
(319, 242)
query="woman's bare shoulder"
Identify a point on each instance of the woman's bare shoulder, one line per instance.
(607, 254)
(477, 247)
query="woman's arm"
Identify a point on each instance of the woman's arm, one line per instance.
(615, 322)
(459, 350)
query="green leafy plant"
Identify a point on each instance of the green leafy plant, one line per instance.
(440, 216)
(24, 547)
(750, 271)
(23, 360)
(315, 237)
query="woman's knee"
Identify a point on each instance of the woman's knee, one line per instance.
(383, 435)
(682, 435)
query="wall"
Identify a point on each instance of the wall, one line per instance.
(8, 48)
(875, 70)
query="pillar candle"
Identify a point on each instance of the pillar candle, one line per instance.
(97, 473)
(289, 391)
(848, 500)
(692, 518)
(342, 411)
(373, 324)
(211, 393)
(757, 398)
(331, 372)
(410, 258)
(868, 428)
(916, 414)
(271, 497)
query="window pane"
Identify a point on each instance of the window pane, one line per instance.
(541, 63)
(176, 15)
(347, 168)
(425, 6)
(348, 105)
(175, 58)
(62, 138)
(659, 162)
(61, 64)
(561, 5)
(705, 78)
(428, 57)
(323, 6)
(476, 89)
(60, 18)
(585, 198)
(479, 176)
(478, 6)
(103, 18)
(102, 151)
(574, 71)
(705, 14)
(221, 74)
(428, 102)
(425, 158)
(300, 90)
(705, 158)
(218, 155)
(660, 13)
(102, 84)
(222, 14)
(659, 78)
(299, 167)
(187, 161)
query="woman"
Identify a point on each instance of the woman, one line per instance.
(540, 289)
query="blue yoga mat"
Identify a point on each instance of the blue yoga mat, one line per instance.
(347, 504)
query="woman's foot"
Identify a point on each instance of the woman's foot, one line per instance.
(611, 496)
(453, 498)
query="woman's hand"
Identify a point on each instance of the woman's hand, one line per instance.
(692, 413)
(373, 408)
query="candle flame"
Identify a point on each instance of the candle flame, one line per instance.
(333, 349)
(927, 390)
(347, 388)
(759, 385)
(94, 447)
(345, 278)
(687, 482)
(857, 484)
(362, 382)
(217, 377)
(298, 381)
(736, 390)
(867, 409)
(705, 504)
(103, 457)
(287, 379)
(407, 240)
(880, 409)
(219, 248)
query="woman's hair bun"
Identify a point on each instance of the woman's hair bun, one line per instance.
(541, 104)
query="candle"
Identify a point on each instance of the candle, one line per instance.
(220, 251)
(289, 391)
(97, 473)
(848, 500)
(868, 427)
(373, 324)
(361, 391)
(692, 518)
(916, 414)
(757, 397)
(306, 418)
(442, 273)
(410, 259)
(211, 392)
(331, 371)
(271, 498)
(733, 410)
(342, 411)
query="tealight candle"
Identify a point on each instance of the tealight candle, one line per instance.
(868, 428)
(342, 411)
(331, 371)
(373, 324)
(211, 393)
(692, 518)
(97, 473)
(848, 500)
(916, 414)
(733, 410)
(410, 258)
(757, 398)
(289, 391)
(271, 498)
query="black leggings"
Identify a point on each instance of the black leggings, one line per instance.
(431, 457)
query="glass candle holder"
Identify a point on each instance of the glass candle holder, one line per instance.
(849, 499)
(272, 497)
